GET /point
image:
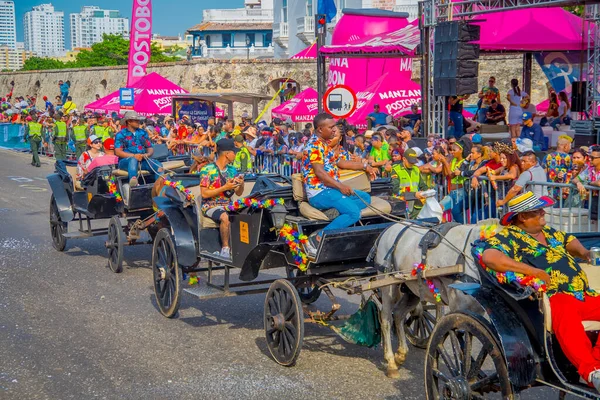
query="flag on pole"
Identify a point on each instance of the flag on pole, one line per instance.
(328, 8)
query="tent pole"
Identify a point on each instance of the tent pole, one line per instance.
(527, 61)
(320, 34)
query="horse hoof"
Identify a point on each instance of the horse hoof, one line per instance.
(400, 358)
(393, 373)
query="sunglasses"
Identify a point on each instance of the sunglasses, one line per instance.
(97, 142)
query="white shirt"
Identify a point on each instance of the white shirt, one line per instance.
(562, 108)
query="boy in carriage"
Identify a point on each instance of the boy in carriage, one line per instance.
(529, 247)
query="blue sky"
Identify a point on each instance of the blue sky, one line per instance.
(170, 16)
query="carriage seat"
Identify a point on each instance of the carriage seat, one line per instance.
(121, 173)
(171, 165)
(355, 179)
(593, 274)
(76, 183)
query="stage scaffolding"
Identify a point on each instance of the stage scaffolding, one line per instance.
(433, 12)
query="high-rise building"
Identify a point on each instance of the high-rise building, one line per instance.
(12, 59)
(8, 31)
(88, 26)
(44, 31)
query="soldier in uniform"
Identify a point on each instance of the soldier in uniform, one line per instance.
(60, 138)
(80, 136)
(34, 134)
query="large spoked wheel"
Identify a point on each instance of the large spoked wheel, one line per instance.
(309, 293)
(420, 322)
(465, 361)
(284, 322)
(114, 244)
(57, 227)
(167, 274)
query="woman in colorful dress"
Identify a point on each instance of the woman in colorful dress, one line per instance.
(95, 144)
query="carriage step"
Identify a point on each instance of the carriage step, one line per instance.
(205, 292)
(86, 234)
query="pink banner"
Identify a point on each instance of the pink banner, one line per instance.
(140, 40)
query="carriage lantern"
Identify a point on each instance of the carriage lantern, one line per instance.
(278, 214)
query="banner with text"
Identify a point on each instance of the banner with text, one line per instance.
(140, 40)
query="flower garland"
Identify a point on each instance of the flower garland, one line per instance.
(242, 203)
(294, 240)
(112, 189)
(507, 277)
(432, 288)
(179, 186)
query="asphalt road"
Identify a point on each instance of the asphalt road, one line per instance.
(72, 329)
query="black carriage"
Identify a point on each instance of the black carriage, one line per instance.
(497, 341)
(190, 240)
(76, 205)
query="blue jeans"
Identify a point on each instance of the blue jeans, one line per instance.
(454, 202)
(481, 115)
(457, 120)
(63, 97)
(348, 206)
(131, 165)
(557, 121)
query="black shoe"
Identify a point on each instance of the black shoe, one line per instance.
(38, 165)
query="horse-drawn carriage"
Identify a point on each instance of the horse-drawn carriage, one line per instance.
(494, 340)
(104, 194)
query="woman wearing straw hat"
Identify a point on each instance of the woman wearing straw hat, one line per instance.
(527, 248)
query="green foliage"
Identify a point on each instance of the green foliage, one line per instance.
(577, 10)
(112, 51)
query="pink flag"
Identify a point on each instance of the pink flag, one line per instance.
(140, 40)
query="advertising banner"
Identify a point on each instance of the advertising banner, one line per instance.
(561, 68)
(198, 110)
(140, 40)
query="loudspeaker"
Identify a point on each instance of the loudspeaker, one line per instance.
(579, 96)
(454, 86)
(455, 70)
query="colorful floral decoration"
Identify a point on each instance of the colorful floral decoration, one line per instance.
(508, 277)
(254, 204)
(432, 288)
(112, 189)
(179, 187)
(295, 241)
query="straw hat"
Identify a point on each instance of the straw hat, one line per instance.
(525, 202)
(369, 134)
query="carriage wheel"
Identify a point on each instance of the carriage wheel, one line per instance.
(57, 227)
(167, 274)
(465, 361)
(115, 244)
(308, 294)
(420, 322)
(284, 322)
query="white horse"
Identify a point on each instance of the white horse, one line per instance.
(400, 254)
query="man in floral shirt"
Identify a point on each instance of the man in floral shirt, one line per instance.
(528, 249)
(322, 180)
(558, 164)
(218, 182)
(591, 176)
(134, 149)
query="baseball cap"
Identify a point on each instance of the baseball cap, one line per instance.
(476, 139)
(239, 139)
(226, 145)
(277, 122)
(109, 144)
(411, 156)
(92, 139)
(245, 115)
(526, 116)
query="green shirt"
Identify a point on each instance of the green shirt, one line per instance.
(381, 154)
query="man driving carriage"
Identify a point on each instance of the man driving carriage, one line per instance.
(218, 182)
(134, 149)
(322, 183)
(529, 247)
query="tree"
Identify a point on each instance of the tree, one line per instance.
(38, 63)
(112, 51)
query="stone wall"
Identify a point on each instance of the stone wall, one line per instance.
(254, 76)
(207, 76)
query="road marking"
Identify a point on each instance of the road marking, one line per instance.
(33, 188)
(20, 179)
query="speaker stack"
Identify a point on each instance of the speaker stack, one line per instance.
(455, 66)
